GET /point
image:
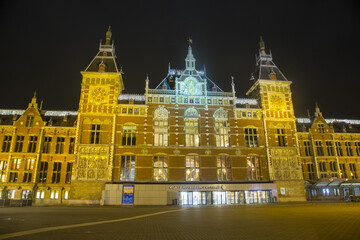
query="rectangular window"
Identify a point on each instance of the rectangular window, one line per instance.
(343, 173)
(319, 148)
(60, 142)
(95, 134)
(333, 167)
(3, 165)
(281, 137)
(192, 132)
(223, 168)
(253, 165)
(161, 132)
(127, 168)
(251, 138)
(43, 172)
(192, 168)
(32, 144)
(56, 172)
(322, 166)
(40, 194)
(47, 145)
(349, 150)
(71, 145)
(68, 172)
(25, 194)
(19, 143)
(222, 138)
(54, 194)
(357, 145)
(339, 150)
(353, 172)
(16, 162)
(11, 194)
(29, 121)
(311, 171)
(27, 177)
(6, 143)
(129, 135)
(160, 168)
(13, 177)
(30, 164)
(330, 148)
(307, 146)
(66, 195)
(321, 128)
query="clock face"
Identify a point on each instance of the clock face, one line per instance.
(191, 87)
(277, 101)
(99, 94)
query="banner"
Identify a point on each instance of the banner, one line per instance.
(128, 194)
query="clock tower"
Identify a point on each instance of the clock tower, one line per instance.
(272, 90)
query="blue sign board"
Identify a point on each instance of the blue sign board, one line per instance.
(128, 194)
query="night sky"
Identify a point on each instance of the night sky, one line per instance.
(45, 45)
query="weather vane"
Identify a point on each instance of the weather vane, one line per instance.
(190, 40)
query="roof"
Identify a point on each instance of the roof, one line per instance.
(339, 125)
(106, 56)
(265, 67)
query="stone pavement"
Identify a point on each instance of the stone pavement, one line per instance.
(276, 221)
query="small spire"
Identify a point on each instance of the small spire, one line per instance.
(308, 113)
(108, 36)
(262, 45)
(204, 70)
(121, 71)
(33, 100)
(169, 71)
(252, 78)
(317, 110)
(232, 81)
(41, 104)
(190, 41)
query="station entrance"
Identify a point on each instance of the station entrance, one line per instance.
(224, 197)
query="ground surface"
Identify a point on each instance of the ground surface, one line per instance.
(277, 221)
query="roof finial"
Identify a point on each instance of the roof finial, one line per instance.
(232, 80)
(189, 40)
(108, 36)
(262, 45)
(308, 113)
(204, 70)
(317, 110)
(169, 70)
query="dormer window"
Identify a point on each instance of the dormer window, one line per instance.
(321, 128)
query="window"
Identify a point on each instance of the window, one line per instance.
(357, 145)
(311, 171)
(25, 194)
(95, 134)
(27, 177)
(321, 128)
(6, 143)
(127, 168)
(253, 164)
(19, 143)
(56, 172)
(307, 147)
(322, 166)
(251, 139)
(339, 150)
(11, 194)
(330, 148)
(333, 167)
(66, 195)
(16, 162)
(349, 150)
(223, 168)
(71, 145)
(343, 173)
(192, 128)
(319, 148)
(47, 145)
(60, 142)
(13, 177)
(3, 165)
(40, 194)
(161, 127)
(281, 137)
(43, 172)
(30, 164)
(54, 194)
(68, 172)
(160, 168)
(192, 168)
(129, 135)
(29, 121)
(353, 172)
(222, 138)
(32, 144)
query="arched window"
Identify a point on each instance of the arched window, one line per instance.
(191, 119)
(222, 138)
(161, 127)
(160, 168)
(223, 168)
(192, 168)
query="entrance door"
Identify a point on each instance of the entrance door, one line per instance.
(219, 197)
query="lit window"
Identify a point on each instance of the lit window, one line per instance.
(11, 194)
(3, 165)
(161, 127)
(16, 162)
(192, 168)
(343, 172)
(127, 168)
(43, 172)
(253, 164)
(251, 137)
(129, 135)
(54, 194)
(160, 168)
(353, 172)
(222, 138)
(25, 194)
(40, 194)
(66, 195)
(223, 168)
(192, 128)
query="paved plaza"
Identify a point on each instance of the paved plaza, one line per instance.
(277, 221)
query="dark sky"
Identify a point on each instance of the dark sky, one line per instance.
(45, 44)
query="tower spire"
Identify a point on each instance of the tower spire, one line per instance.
(317, 110)
(108, 36)
(190, 60)
(262, 45)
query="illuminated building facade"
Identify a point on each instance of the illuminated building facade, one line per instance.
(184, 142)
